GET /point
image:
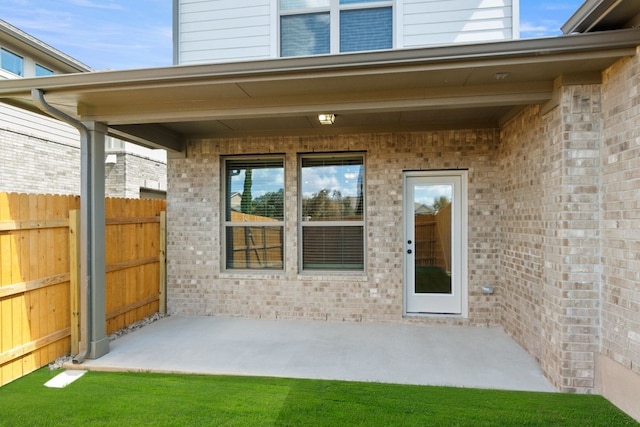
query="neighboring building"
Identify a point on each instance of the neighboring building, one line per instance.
(531, 145)
(42, 155)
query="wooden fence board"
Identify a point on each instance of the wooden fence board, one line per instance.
(38, 265)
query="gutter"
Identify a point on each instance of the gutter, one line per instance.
(85, 141)
(616, 43)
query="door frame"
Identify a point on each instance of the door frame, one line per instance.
(462, 243)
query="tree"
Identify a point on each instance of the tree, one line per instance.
(440, 203)
(270, 205)
(247, 199)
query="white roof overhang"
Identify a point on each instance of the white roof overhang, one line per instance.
(470, 86)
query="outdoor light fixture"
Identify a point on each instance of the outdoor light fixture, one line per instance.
(327, 119)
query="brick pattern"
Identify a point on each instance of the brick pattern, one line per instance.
(521, 257)
(575, 249)
(553, 223)
(198, 286)
(131, 173)
(550, 240)
(29, 164)
(621, 214)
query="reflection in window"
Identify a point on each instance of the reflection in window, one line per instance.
(254, 213)
(11, 62)
(43, 71)
(332, 210)
(306, 34)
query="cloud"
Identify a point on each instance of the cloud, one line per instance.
(96, 5)
(538, 29)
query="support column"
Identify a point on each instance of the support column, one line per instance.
(92, 208)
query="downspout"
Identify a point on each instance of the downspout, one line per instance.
(85, 141)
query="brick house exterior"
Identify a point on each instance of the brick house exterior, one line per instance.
(545, 131)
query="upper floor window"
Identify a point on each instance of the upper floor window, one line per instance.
(43, 71)
(314, 27)
(254, 213)
(11, 62)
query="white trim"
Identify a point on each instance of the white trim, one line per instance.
(274, 37)
(398, 24)
(515, 16)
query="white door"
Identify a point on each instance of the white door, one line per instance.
(435, 218)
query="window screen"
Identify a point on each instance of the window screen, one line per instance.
(254, 213)
(314, 27)
(332, 222)
(365, 29)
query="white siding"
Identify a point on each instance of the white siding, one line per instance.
(224, 30)
(233, 30)
(437, 22)
(37, 126)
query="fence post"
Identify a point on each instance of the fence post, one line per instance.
(74, 278)
(163, 263)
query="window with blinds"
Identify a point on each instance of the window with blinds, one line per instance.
(333, 26)
(332, 212)
(254, 213)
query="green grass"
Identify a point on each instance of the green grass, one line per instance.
(127, 399)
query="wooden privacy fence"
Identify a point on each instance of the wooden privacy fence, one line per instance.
(39, 267)
(433, 239)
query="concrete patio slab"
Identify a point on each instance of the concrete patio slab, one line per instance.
(391, 353)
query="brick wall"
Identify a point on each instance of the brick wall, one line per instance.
(620, 157)
(197, 284)
(550, 220)
(29, 164)
(133, 172)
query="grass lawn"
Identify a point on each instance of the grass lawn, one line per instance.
(127, 399)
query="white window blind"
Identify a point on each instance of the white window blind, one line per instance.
(314, 27)
(332, 212)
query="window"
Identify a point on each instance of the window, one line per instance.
(43, 71)
(332, 212)
(314, 27)
(11, 62)
(254, 213)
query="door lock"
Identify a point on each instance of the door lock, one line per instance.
(409, 251)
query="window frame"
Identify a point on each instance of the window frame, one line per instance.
(225, 224)
(302, 223)
(334, 9)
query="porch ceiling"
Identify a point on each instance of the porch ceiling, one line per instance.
(444, 87)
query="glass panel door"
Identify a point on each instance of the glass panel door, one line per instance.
(434, 254)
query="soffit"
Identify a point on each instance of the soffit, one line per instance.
(447, 87)
(603, 15)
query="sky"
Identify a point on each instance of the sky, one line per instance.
(128, 34)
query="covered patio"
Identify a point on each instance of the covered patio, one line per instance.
(528, 120)
(371, 352)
